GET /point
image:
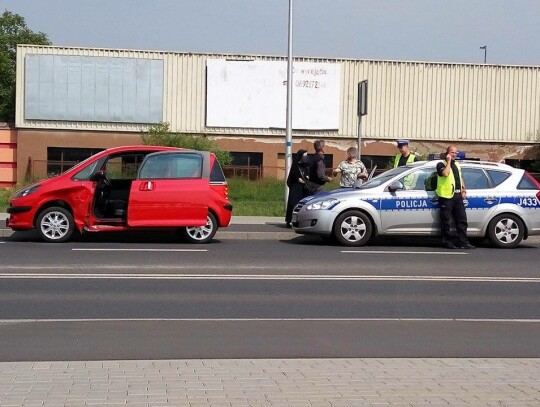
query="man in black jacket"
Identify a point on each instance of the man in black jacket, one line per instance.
(317, 168)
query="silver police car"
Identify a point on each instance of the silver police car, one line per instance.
(503, 204)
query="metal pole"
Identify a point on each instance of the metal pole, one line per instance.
(359, 137)
(288, 124)
(485, 52)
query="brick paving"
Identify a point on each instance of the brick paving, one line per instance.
(273, 382)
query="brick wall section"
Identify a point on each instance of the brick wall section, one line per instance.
(8, 156)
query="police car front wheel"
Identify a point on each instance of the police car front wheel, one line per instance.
(506, 231)
(352, 228)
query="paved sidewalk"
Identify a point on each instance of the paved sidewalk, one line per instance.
(274, 382)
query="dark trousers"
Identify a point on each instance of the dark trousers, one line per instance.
(296, 192)
(453, 208)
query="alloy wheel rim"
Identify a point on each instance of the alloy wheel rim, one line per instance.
(506, 231)
(55, 225)
(200, 232)
(353, 229)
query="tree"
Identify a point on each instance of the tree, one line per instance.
(13, 31)
(160, 135)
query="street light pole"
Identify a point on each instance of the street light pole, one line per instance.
(288, 124)
(485, 52)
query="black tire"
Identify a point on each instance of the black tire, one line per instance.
(352, 228)
(202, 234)
(506, 231)
(55, 225)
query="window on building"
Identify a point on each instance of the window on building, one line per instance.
(244, 158)
(527, 165)
(60, 159)
(381, 161)
(245, 164)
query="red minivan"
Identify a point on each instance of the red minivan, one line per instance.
(124, 188)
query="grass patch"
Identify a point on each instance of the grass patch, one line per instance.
(262, 197)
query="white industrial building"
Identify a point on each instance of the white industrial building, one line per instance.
(72, 101)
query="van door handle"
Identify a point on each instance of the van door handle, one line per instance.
(147, 186)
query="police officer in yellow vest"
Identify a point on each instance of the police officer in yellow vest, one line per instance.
(451, 193)
(405, 156)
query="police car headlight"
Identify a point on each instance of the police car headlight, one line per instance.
(322, 204)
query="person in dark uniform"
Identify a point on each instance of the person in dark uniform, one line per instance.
(296, 181)
(451, 192)
(317, 168)
(405, 156)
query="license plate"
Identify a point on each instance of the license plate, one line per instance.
(294, 217)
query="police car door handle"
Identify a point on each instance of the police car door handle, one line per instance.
(490, 200)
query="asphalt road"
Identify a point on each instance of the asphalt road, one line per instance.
(121, 297)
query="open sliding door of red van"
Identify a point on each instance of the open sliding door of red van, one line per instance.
(172, 189)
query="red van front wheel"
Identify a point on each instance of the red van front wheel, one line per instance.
(55, 225)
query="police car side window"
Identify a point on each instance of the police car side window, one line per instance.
(475, 178)
(415, 180)
(526, 183)
(498, 177)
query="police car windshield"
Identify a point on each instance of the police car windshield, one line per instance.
(382, 178)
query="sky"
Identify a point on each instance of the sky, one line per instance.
(411, 30)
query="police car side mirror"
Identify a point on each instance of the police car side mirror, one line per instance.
(394, 186)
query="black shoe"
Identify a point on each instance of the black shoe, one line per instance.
(449, 245)
(288, 226)
(467, 246)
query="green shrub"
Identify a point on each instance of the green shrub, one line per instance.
(5, 193)
(160, 135)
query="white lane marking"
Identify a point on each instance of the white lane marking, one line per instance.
(136, 250)
(143, 276)
(30, 320)
(400, 252)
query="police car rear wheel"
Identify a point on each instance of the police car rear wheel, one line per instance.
(352, 228)
(506, 231)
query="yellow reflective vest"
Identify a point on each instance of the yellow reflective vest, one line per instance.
(447, 185)
(410, 159)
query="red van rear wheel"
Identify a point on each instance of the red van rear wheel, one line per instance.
(202, 234)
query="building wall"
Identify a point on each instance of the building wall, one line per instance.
(416, 100)
(31, 154)
(8, 156)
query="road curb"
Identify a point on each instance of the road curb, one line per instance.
(220, 235)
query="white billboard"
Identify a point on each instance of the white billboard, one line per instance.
(253, 94)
